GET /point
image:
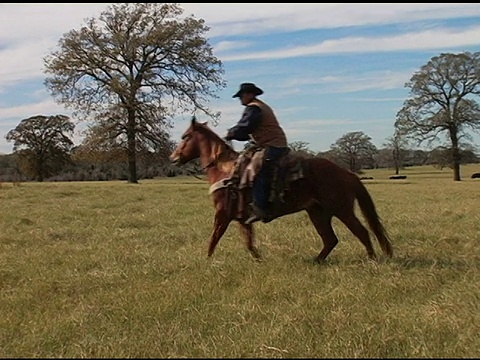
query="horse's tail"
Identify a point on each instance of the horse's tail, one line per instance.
(369, 211)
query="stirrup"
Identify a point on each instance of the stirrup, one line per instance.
(252, 219)
(258, 214)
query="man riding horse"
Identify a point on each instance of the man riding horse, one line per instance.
(259, 124)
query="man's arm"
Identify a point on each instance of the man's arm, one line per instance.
(246, 125)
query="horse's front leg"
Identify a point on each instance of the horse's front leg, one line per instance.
(221, 222)
(248, 235)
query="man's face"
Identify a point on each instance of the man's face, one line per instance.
(246, 98)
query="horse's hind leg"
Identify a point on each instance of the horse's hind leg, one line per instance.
(247, 232)
(323, 224)
(356, 227)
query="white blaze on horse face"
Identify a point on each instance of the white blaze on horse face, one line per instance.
(183, 152)
(173, 157)
(176, 154)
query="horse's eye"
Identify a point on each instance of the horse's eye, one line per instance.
(186, 136)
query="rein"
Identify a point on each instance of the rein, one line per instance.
(190, 172)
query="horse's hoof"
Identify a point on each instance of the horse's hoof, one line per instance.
(372, 257)
(255, 254)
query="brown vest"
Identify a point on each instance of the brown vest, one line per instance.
(269, 132)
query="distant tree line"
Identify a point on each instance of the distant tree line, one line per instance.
(44, 152)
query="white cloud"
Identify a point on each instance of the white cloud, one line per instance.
(238, 19)
(428, 40)
(352, 82)
(45, 107)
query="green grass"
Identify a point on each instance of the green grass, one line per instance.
(110, 269)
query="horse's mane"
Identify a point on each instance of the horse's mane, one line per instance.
(224, 148)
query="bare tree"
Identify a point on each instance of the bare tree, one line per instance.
(397, 144)
(133, 69)
(443, 101)
(43, 143)
(355, 149)
(301, 147)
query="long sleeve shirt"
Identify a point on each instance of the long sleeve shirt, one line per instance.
(251, 118)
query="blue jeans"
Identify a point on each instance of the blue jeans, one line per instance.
(263, 181)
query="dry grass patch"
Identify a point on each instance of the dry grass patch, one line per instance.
(110, 269)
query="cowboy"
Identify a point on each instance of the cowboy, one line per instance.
(259, 123)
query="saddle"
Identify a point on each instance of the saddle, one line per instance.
(286, 169)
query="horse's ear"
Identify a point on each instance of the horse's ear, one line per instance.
(194, 119)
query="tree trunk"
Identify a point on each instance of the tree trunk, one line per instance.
(455, 155)
(131, 151)
(456, 164)
(396, 161)
(39, 169)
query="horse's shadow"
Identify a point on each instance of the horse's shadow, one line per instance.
(406, 262)
(419, 262)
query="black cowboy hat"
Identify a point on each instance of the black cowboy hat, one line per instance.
(248, 88)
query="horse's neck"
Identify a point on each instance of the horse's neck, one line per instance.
(219, 162)
(217, 173)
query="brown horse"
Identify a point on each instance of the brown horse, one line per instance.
(326, 190)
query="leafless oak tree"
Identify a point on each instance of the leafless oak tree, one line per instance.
(443, 100)
(133, 69)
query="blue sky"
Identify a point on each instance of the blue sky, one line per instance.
(326, 69)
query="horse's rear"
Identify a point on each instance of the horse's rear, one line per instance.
(327, 190)
(318, 186)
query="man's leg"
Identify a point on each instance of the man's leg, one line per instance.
(262, 185)
(271, 160)
(259, 197)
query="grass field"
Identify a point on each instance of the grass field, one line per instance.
(110, 269)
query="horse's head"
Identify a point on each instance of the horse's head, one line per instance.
(199, 141)
(188, 149)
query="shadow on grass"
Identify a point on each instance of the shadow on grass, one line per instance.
(406, 262)
(416, 262)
